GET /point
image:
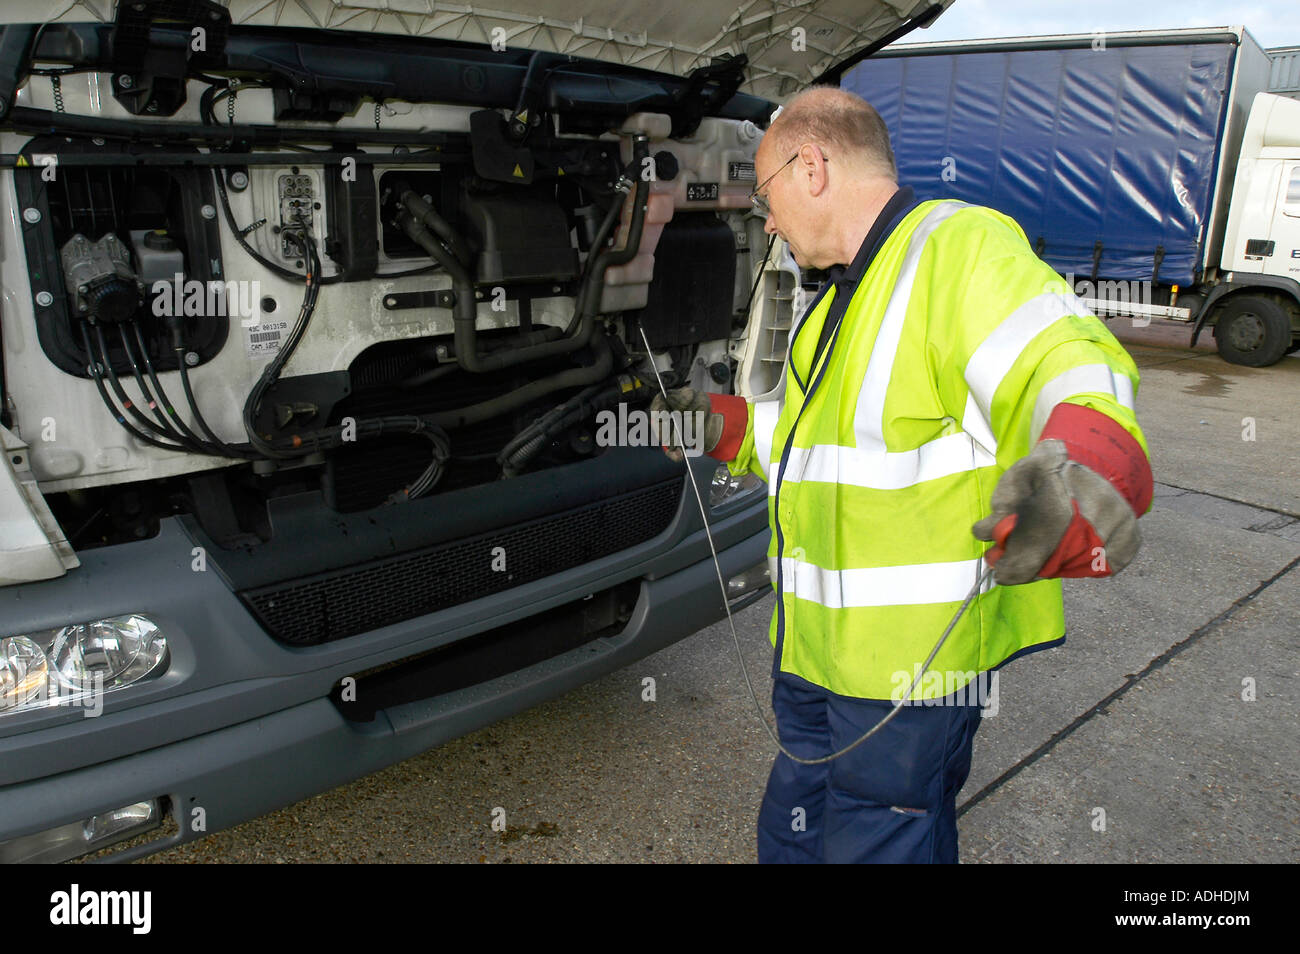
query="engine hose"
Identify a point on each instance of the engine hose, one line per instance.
(529, 441)
(529, 347)
(524, 454)
(426, 213)
(544, 333)
(524, 347)
(985, 574)
(574, 377)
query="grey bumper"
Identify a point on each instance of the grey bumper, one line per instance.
(240, 725)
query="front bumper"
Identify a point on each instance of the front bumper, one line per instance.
(241, 725)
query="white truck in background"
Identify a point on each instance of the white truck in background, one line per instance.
(1256, 304)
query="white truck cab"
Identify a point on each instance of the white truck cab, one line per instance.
(1256, 307)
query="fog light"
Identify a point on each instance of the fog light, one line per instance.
(73, 664)
(724, 487)
(747, 581)
(80, 838)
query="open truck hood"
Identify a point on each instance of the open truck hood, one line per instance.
(789, 44)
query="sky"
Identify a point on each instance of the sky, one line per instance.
(1271, 22)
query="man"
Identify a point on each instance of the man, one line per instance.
(944, 389)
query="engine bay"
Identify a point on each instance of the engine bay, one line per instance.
(248, 292)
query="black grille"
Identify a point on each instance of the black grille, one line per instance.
(487, 655)
(362, 598)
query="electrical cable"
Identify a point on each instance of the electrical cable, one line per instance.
(299, 445)
(95, 370)
(228, 450)
(148, 395)
(216, 447)
(762, 266)
(240, 235)
(206, 104)
(985, 574)
(127, 404)
(272, 371)
(292, 447)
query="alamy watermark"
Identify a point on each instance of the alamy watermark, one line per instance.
(1113, 297)
(947, 687)
(59, 692)
(637, 428)
(193, 298)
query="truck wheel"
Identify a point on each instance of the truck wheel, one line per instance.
(1254, 332)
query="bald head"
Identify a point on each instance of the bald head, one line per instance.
(844, 124)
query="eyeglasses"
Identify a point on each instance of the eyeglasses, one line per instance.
(760, 201)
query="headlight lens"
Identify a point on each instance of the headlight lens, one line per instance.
(24, 671)
(62, 666)
(725, 487)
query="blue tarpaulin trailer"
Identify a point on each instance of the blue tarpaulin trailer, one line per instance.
(1114, 152)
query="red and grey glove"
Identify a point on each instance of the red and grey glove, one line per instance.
(725, 416)
(1070, 507)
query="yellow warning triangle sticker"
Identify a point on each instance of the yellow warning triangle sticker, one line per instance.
(22, 162)
(519, 173)
(561, 172)
(523, 117)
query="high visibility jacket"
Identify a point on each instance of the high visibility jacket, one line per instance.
(956, 345)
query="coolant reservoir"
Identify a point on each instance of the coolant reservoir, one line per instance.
(627, 286)
(712, 170)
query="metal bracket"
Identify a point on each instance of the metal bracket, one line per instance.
(153, 43)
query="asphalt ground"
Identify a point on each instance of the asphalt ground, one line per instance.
(1167, 728)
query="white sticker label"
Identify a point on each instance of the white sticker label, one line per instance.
(264, 338)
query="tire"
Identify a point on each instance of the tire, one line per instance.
(1252, 331)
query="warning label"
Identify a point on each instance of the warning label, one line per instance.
(741, 172)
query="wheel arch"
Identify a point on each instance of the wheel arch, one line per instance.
(1285, 290)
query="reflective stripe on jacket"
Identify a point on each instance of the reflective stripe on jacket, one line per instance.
(954, 349)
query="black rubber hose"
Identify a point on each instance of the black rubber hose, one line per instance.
(533, 438)
(546, 332)
(427, 214)
(525, 347)
(636, 227)
(465, 310)
(543, 425)
(575, 377)
(593, 284)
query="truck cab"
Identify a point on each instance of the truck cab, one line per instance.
(1256, 311)
(311, 314)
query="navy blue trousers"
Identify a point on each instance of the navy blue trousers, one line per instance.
(892, 799)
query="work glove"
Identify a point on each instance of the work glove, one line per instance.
(705, 439)
(1053, 517)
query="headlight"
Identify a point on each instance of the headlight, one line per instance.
(725, 487)
(71, 664)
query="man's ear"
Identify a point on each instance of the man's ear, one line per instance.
(812, 166)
